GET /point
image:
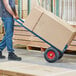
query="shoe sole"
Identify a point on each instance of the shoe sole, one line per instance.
(2, 57)
(15, 59)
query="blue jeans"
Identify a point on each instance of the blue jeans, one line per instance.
(7, 40)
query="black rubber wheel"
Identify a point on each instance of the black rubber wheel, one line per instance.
(51, 55)
(60, 55)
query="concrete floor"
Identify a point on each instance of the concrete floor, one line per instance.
(36, 57)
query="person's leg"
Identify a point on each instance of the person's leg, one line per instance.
(2, 46)
(9, 25)
(7, 40)
(9, 22)
(2, 43)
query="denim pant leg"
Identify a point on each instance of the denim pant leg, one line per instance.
(8, 25)
(3, 44)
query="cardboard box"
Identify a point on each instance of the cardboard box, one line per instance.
(33, 18)
(54, 30)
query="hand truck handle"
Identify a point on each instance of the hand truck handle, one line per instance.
(20, 21)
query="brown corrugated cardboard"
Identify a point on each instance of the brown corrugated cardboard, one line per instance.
(33, 18)
(54, 30)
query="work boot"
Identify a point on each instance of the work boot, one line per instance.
(13, 56)
(1, 56)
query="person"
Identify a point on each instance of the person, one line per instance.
(8, 15)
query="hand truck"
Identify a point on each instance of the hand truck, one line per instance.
(51, 54)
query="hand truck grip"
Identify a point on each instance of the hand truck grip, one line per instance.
(20, 21)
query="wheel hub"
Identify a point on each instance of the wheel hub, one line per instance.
(50, 54)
